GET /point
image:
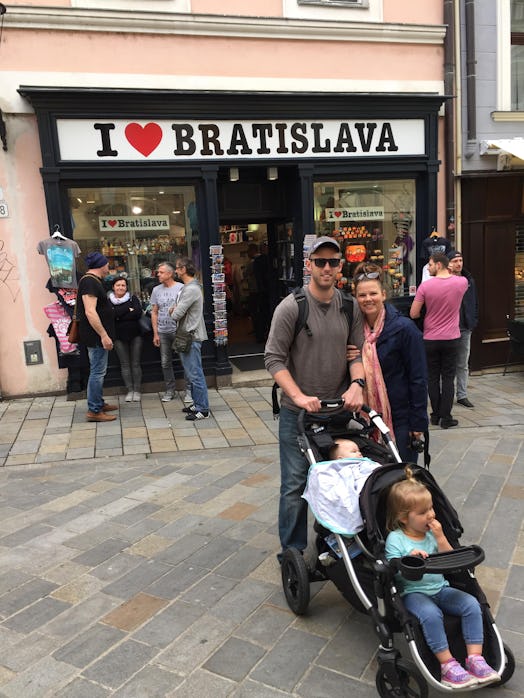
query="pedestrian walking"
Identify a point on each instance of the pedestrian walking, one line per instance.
(311, 366)
(441, 295)
(394, 362)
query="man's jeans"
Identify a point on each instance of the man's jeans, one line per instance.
(463, 363)
(292, 514)
(441, 358)
(129, 355)
(192, 364)
(95, 384)
(429, 610)
(166, 359)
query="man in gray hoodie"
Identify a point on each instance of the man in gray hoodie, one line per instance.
(188, 313)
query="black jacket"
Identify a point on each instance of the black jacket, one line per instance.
(127, 316)
(469, 309)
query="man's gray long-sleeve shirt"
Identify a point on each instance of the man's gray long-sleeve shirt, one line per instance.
(318, 364)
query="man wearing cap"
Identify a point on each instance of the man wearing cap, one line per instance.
(94, 312)
(469, 315)
(310, 367)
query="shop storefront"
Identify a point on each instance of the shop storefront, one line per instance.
(146, 176)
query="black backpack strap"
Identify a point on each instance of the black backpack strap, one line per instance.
(347, 308)
(303, 312)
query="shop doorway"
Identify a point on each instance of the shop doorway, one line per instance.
(253, 274)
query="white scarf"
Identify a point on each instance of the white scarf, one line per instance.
(118, 301)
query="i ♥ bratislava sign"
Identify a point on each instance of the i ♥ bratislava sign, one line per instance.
(110, 141)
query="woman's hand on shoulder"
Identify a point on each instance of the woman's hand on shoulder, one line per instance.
(352, 352)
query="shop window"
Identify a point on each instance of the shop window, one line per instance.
(517, 55)
(136, 228)
(373, 221)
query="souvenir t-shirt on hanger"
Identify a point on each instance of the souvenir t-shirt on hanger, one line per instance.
(61, 256)
(433, 245)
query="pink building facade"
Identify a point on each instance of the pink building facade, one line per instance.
(175, 130)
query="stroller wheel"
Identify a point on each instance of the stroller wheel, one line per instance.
(295, 580)
(508, 670)
(400, 679)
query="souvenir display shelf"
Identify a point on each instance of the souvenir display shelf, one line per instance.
(219, 294)
(519, 273)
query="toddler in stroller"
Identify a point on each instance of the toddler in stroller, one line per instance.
(356, 561)
(415, 531)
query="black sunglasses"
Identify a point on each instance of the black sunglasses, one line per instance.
(368, 275)
(322, 261)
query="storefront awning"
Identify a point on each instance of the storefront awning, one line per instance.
(499, 146)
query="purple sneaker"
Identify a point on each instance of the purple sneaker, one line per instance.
(454, 675)
(480, 669)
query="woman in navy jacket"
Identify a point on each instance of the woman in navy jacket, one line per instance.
(401, 355)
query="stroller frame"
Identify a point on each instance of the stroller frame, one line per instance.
(395, 675)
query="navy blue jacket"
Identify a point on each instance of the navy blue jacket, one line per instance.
(402, 357)
(469, 309)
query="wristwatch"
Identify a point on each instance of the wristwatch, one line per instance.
(360, 382)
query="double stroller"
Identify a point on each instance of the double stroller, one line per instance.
(357, 565)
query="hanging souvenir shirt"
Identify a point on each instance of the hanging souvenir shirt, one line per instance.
(61, 260)
(434, 245)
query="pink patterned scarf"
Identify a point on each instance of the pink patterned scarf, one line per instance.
(376, 394)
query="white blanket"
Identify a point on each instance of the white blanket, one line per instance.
(333, 489)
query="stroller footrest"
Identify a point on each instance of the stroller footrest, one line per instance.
(458, 560)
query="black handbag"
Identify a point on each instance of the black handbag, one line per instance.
(144, 324)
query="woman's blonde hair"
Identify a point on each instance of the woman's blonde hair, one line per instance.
(403, 498)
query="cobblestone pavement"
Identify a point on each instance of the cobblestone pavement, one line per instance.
(137, 558)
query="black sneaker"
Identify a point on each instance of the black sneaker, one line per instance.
(194, 416)
(434, 419)
(465, 402)
(189, 409)
(448, 423)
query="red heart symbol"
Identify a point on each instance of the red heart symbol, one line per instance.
(112, 223)
(144, 138)
(337, 214)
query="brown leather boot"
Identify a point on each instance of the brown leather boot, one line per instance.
(99, 417)
(109, 408)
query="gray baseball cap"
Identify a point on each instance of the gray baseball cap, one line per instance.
(323, 240)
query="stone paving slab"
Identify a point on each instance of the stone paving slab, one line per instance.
(153, 573)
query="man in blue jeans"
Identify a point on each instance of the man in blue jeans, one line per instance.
(188, 314)
(308, 368)
(94, 312)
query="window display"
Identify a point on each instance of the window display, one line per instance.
(136, 229)
(372, 221)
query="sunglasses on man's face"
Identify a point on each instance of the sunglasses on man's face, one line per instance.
(368, 275)
(322, 261)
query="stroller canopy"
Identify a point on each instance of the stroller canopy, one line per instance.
(333, 489)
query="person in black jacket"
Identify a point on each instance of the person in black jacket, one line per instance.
(128, 342)
(401, 358)
(469, 316)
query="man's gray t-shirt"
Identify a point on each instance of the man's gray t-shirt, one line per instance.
(317, 363)
(164, 297)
